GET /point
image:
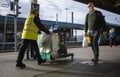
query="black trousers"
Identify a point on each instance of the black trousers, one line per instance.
(24, 45)
(94, 42)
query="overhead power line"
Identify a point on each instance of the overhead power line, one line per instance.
(64, 6)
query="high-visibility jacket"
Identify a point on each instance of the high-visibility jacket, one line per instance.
(30, 30)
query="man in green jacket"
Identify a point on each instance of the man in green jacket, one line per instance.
(94, 25)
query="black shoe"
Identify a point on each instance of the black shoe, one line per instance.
(21, 65)
(41, 61)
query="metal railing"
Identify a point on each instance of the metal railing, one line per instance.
(9, 46)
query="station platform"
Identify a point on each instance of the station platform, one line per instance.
(80, 66)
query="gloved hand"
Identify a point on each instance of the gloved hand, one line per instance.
(51, 30)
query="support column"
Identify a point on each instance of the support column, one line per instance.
(72, 29)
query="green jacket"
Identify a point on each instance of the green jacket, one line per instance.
(95, 22)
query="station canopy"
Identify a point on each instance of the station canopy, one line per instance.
(109, 5)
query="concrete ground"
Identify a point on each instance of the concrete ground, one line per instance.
(81, 66)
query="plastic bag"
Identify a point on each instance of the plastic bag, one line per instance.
(55, 45)
(48, 45)
(88, 39)
(85, 42)
(44, 43)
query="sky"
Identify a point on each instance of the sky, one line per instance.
(64, 8)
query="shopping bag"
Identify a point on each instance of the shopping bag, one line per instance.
(48, 45)
(45, 47)
(55, 44)
(85, 42)
(88, 39)
(44, 43)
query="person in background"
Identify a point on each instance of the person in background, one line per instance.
(112, 37)
(94, 25)
(29, 36)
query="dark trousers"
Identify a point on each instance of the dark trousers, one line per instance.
(24, 45)
(94, 42)
(113, 42)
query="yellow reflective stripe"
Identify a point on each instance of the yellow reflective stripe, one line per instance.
(31, 27)
(30, 31)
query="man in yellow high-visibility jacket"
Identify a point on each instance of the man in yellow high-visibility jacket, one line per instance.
(29, 36)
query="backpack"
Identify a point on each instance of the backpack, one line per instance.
(101, 19)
